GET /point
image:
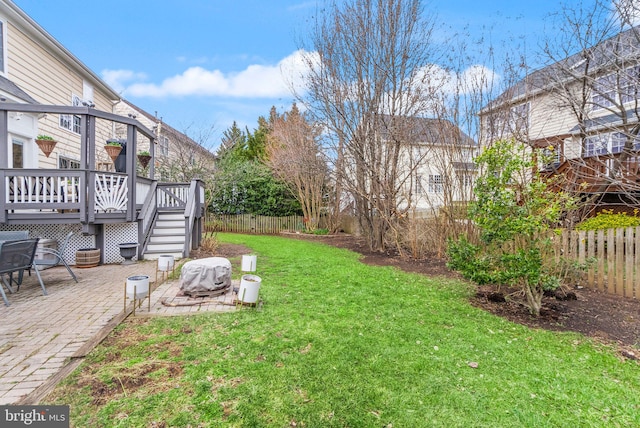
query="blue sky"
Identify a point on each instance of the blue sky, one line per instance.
(203, 63)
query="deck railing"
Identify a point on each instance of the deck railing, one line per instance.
(26, 191)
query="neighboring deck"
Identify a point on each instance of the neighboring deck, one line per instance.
(45, 337)
(594, 174)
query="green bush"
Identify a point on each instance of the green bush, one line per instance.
(606, 219)
(514, 210)
(467, 259)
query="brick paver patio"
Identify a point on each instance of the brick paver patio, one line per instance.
(43, 337)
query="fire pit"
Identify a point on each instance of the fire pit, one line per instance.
(206, 277)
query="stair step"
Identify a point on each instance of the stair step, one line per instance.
(170, 224)
(162, 216)
(158, 239)
(161, 219)
(154, 255)
(159, 248)
(174, 231)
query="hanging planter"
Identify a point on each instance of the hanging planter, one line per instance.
(113, 149)
(46, 144)
(144, 158)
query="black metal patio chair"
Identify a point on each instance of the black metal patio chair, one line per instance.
(16, 257)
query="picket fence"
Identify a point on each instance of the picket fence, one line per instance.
(247, 223)
(614, 256)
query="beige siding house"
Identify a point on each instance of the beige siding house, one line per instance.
(582, 111)
(76, 186)
(435, 164)
(51, 75)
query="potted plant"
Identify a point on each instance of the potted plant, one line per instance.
(113, 149)
(144, 157)
(46, 144)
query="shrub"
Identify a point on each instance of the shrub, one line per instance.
(606, 219)
(472, 264)
(210, 243)
(515, 211)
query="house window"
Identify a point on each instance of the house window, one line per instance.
(596, 145)
(551, 157)
(67, 163)
(72, 122)
(466, 180)
(76, 124)
(419, 185)
(619, 87)
(435, 184)
(617, 142)
(164, 146)
(607, 143)
(519, 118)
(17, 148)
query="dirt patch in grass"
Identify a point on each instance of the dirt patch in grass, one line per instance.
(609, 318)
(130, 380)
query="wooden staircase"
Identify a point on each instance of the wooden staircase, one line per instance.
(168, 235)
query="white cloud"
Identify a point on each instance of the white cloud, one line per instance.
(304, 5)
(628, 11)
(255, 81)
(117, 79)
(478, 78)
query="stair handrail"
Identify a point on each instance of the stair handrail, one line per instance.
(147, 214)
(190, 215)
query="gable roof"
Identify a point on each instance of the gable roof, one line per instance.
(624, 45)
(422, 130)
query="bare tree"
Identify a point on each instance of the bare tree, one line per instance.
(185, 157)
(294, 156)
(371, 59)
(594, 73)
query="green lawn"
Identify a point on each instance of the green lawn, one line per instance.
(341, 344)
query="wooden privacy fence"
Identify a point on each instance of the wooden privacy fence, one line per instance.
(247, 223)
(614, 256)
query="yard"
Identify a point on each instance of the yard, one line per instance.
(341, 343)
